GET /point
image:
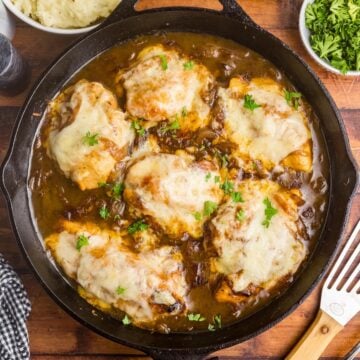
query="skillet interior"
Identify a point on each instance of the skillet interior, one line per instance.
(342, 174)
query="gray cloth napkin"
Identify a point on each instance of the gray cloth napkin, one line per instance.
(14, 309)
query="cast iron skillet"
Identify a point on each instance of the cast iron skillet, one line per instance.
(230, 23)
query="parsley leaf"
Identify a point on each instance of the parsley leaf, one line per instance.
(249, 103)
(195, 317)
(217, 319)
(102, 184)
(270, 211)
(209, 207)
(174, 125)
(292, 98)
(139, 225)
(216, 179)
(120, 290)
(104, 212)
(197, 215)
(236, 197)
(117, 190)
(163, 62)
(90, 139)
(240, 215)
(188, 65)
(208, 177)
(135, 124)
(211, 327)
(126, 320)
(81, 241)
(227, 186)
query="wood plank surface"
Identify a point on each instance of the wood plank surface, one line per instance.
(55, 335)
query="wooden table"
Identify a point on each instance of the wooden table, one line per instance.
(53, 333)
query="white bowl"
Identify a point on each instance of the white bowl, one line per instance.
(11, 7)
(305, 37)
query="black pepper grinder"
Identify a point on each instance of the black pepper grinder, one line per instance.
(14, 71)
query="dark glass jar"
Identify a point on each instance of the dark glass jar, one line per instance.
(14, 72)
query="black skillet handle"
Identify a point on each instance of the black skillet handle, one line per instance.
(173, 355)
(126, 9)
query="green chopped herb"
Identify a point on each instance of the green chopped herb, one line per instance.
(227, 186)
(135, 124)
(236, 197)
(211, 327)
(197, 215)
(188, 65)
(90, 139)
(334, 27)
(270, 211)
(240, 215)
(81, 241)
(120, 290)
(102, 184)
(126, 320)
(174, 125)
(217, 319)
(249, 103)
(292, 98)
(117, 190)
(196, 317)
(163, 61)
(208, 177)
(104, 212)
(184, 112)
(209, 207)
(216, 179)
(139, 225)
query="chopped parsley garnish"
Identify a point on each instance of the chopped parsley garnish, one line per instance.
(120, 290)
(227, 186)
(137, 226)
(249, 103)
(137, 127)
(209, 207)
(216, 179)
(196, 317)
(208, 177)
(163, 62)
(90, 139)
(217, 319)
(211, 327)
(117, 190)
(126, 320)
(184, 112)
(104, 212)
(240, 215)
(197, 215)
(334, 32)
(174, 125)
(270, 211)
(236, 197)
(81, 241)
(292, 98)
(188, 65)
(102, 184)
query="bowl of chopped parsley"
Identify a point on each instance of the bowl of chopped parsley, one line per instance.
(330, 31)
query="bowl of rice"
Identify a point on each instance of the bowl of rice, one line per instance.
(67, 17)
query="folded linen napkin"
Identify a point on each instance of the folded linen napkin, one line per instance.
(14, 309)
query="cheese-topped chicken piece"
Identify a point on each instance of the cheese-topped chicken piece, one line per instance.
(145, 285)
(264, 126)
(257, 240)
(89, 134)
(162, 84)
(174, 191)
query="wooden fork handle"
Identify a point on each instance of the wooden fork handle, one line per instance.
(316, 339)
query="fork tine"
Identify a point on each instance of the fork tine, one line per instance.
(356, 287)
(347, 266)
(342, 254)
(351, 277)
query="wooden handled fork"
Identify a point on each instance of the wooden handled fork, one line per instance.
(340, 301)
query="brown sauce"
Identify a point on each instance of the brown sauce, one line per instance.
(55, 197)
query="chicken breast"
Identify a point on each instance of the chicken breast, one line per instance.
(145, 285)
(257, 240)
(164, 85)
(264, 126)
(89, 133)
(174, 191)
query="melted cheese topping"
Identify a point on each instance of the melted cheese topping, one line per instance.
(171, 189)
(269, 133)
(159, 87)
(152, 282)
(91, 110)
(252, 256)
